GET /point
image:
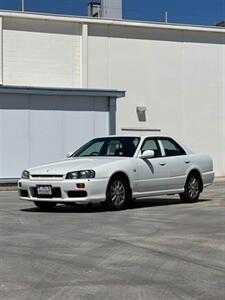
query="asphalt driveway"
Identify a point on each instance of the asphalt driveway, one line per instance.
(158, 249)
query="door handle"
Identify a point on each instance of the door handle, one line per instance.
(187, 161)
(162, 163)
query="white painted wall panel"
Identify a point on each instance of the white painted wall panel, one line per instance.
(178, 76)
(39, 129)
(146, 67)
(151, 69)
(41, 53)
(203, 95)
(98, 56)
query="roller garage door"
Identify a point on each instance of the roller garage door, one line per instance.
(36, 129)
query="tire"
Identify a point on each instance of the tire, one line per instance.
(45, 205)
(191, 189)
(118, 194)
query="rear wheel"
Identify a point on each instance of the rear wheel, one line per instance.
(117, 195)
(45, 205)
(191, 189)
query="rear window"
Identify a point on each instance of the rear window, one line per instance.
(171, 148)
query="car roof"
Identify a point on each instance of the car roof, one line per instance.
(135, 135)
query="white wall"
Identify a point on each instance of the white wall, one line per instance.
(177, 75)
(41, 53)
(37, 129)
(1, 48)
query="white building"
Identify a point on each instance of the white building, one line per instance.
(174, 76)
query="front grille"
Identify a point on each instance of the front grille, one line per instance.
(24, 193)
(46, 176)
(77, 194)
(56, 193)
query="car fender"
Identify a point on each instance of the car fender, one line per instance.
(126, 166)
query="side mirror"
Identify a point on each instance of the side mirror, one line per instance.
(147, 154)
(68, 155)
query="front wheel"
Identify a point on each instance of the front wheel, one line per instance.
(117, 195)
(191, 189)
(45, 205)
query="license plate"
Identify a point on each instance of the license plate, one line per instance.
(44, 190)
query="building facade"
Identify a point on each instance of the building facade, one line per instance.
(174, 76)
(39, 125)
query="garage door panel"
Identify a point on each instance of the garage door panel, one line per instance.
(78, 128)
(1, 140)
(78, 122)
(45, 130)
(14, 135)
(101, 121)
(36, 129)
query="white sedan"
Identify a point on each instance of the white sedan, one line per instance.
(116, 169)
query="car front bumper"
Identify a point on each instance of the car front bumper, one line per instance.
(65, 191)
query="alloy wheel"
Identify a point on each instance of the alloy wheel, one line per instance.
(193, 187)
(117, 193)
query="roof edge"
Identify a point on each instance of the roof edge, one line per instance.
(82, 92)
(115, 22)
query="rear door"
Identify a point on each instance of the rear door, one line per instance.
(178, 162)
(153, 173)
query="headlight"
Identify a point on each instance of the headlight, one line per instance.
(81, 174)
(25, 175)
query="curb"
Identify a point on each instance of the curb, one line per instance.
(4, 187)
(219, 179)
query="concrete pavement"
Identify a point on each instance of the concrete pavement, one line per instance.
(161, 248)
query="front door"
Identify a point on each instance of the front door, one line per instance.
(153, 173)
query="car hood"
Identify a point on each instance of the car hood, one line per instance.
(73, 164)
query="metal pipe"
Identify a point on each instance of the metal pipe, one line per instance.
(166, 16)
(23, 6)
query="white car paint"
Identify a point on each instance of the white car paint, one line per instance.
(147, 177)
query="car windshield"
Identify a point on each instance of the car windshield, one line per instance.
(111, 146)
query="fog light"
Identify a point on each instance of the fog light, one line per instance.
(80, 185)
(20, 184)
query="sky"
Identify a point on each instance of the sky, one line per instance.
(199, 12)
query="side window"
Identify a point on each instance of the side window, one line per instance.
(172, 148)
(151, 144)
